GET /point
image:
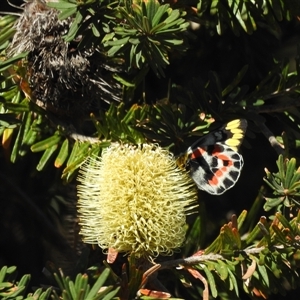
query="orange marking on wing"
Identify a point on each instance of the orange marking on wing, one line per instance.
(219, 173)
(224, 169)
(215, 180)
(221, 156)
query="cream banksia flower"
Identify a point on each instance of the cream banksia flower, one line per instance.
(134, 199)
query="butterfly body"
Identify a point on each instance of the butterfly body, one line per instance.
(213, 161)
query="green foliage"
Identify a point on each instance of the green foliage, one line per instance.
(81, 288)
(10, 289)
(6, 31)
(141, 32)
(245, 15)
(285, 185)
(229, 263)
(207, 84)
(149, 33)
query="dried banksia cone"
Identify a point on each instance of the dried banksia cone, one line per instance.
(63, 78)
(134, 199)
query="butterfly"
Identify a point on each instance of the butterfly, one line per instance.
(213, 160)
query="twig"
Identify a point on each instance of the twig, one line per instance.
(82, 138)
(270, 136)
(278, 107)
(196, 259)
(70, 130)
(280, 93)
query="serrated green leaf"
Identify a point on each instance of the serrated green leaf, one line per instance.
(284, 221)
(158, 15)
(123, 81)
(3, 273)
(272, 202)
(236, 81)
(5, 36)
(119, 42)
(279, 234)
(66, 13)
(146, 25)
(290, 170)
(7, 63)
(18, 140)
(95, 30)
(24, 280)
(111, 294)
(281, 168)
(72, 290)
(32, 134)
(78, 155)
(253, 235)
(211, 282)
(241, 219)
(63, 154)
(17, 107)
(98, 284)
(59, 281)
(295, 186)
(222, 269)
(7, 20)
(151, 9)
(262, 270)
(62, 5)
(46, 157)
(102, 130)
(45, 144)
(295, 178)
(74, 28)
(175, 14)
(234, 282)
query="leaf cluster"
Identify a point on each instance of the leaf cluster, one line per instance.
(285, 185)
(261, 263)
(80, 288)
(9, 289)
(142, 33)
(243, 15)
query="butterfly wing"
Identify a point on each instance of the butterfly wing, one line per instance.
(215, 168)
(213, 161)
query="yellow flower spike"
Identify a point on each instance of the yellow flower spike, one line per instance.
(134, 199)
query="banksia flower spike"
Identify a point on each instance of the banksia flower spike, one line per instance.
(134, 199)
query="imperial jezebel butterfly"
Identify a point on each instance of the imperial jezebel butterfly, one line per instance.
(213, 161)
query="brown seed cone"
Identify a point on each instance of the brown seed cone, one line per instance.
(63, 78)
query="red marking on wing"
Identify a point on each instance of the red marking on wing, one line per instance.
(215, 180)
(218, 153)
(227, 159)
(198, 152)
(217, 150)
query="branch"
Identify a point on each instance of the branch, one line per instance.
(270, 136)
(278, 107)
(70, 131)
(196, 259)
